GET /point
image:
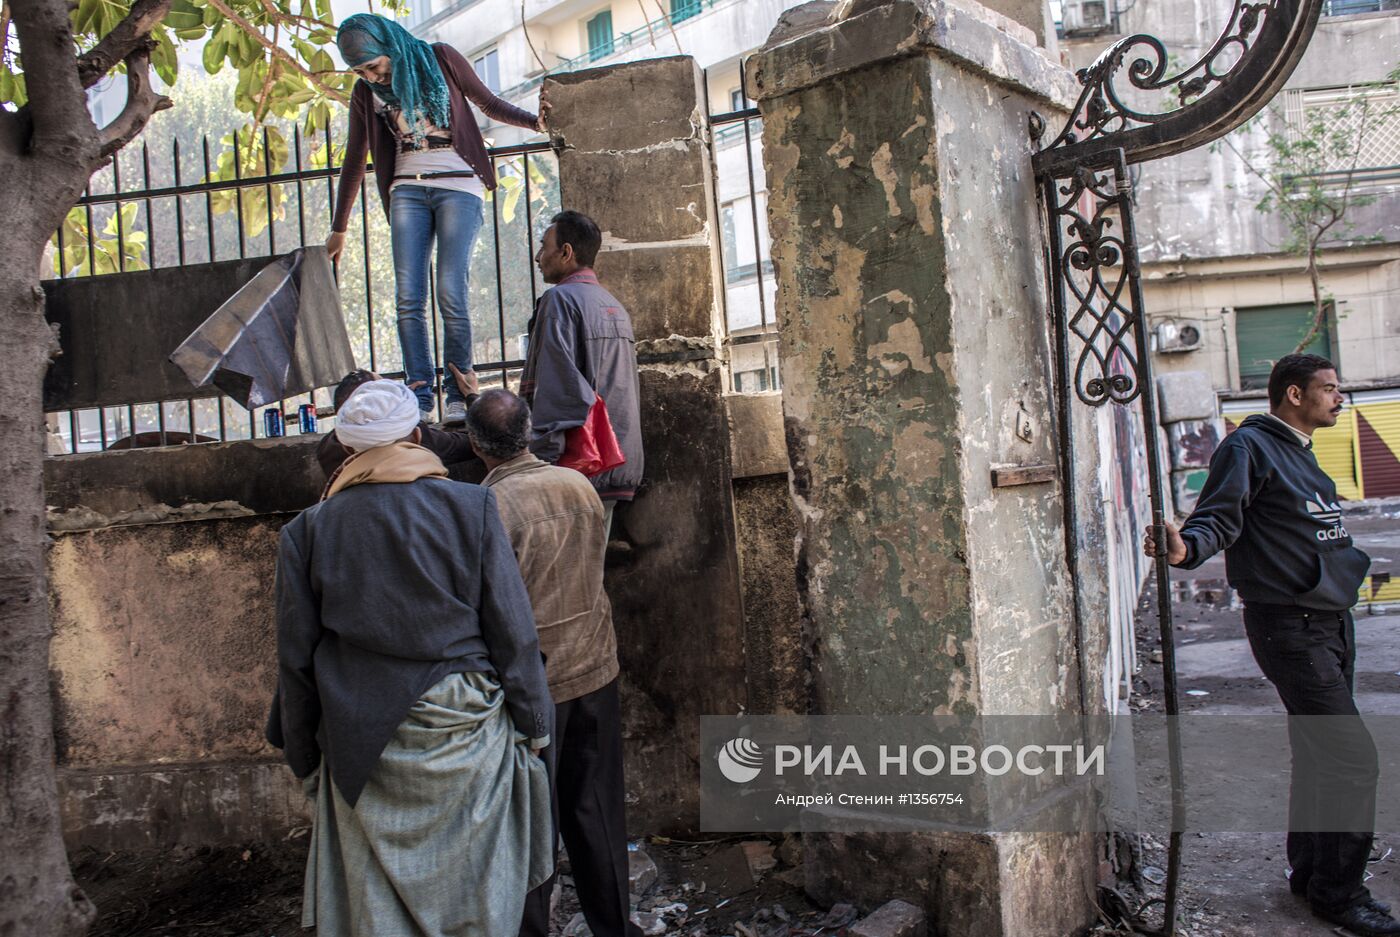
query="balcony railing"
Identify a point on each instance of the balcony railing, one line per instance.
(639, 36)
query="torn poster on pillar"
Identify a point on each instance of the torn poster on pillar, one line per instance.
(280, 335)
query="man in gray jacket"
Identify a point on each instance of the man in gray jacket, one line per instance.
(581, 348)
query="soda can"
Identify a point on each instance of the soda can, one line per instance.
(272, 422)
(306, 418)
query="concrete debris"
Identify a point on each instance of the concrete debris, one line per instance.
(649, 922)
(760, 857)
(641, 872)
(790, 852)
(577, 927)
(892, 919)
(725, 871)
(840, 915)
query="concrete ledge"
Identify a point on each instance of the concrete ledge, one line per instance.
(180, 805)
(756, 442)
(182, 483)
(962, 30)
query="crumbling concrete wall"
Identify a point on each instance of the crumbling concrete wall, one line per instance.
(164, 653)
(915, 361)
(646, 175)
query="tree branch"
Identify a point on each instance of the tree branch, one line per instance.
(125, 38)
(141, 102)
(277, 51)
(292, 19)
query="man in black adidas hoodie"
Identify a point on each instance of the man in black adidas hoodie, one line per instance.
(1274, 512)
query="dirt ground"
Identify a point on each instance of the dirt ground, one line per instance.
(703, 888)
(1234, 884)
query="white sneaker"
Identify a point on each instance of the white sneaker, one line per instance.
(456, 412)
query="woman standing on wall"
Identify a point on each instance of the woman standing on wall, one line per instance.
(409, 111)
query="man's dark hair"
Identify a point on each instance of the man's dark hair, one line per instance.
(580, 231)
(1293, 370)
(499, 423)
(347, 386)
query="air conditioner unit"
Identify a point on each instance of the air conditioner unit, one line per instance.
(1177, 336)
(1086, 16)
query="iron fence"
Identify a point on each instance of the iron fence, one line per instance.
(270, 193)
(257, 210)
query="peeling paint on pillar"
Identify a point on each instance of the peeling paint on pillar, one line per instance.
(912, 307)
(870, 398)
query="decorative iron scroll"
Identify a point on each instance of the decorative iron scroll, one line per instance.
(1090, 217)
(1240, 73)
(1097, 290)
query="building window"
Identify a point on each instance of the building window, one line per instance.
(1348, 7)
(737, 101)
(488, 69)
(1264, 334)
(684, 9)
(600, 36)
(1359, 123)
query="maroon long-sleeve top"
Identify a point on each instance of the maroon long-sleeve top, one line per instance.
(370, 134)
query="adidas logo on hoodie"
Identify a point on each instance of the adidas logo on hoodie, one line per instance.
(1326, 513)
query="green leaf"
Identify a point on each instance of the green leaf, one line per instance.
(12, 88)
(184, 15)
(215, 50)
(164, 58)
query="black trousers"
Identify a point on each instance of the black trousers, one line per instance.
(1310, 658)
(585, 769)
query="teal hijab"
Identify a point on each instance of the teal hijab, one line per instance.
(417, 87)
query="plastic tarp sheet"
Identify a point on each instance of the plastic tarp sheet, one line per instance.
(281, 335)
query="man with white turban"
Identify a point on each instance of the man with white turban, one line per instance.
(411, 697)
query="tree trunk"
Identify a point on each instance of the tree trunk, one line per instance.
(1319, 307)
(37, 895)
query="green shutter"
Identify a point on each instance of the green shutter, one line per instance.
(600, 35)
(1264, 334)
(684, 9)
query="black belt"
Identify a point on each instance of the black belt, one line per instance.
(449, 174)
(430, 143)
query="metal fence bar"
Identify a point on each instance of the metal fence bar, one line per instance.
(301, 188)
(179, 209)
(369, 283)
(121, 240)
(500, 290)
(267, 173)
(238, 198)
(150, 221)
(209, 206)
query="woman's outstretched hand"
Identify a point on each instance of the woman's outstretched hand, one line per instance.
(335, 244)
(542, 123)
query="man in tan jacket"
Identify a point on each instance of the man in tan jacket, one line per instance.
(554, 520)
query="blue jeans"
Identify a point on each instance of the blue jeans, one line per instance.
(417, 214)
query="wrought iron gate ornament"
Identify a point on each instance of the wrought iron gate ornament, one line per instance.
(1086, 194)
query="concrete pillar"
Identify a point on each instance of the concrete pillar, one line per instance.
(915, 359)
(638, 162)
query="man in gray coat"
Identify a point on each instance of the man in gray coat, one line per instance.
(410, 691)
(582, 348)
